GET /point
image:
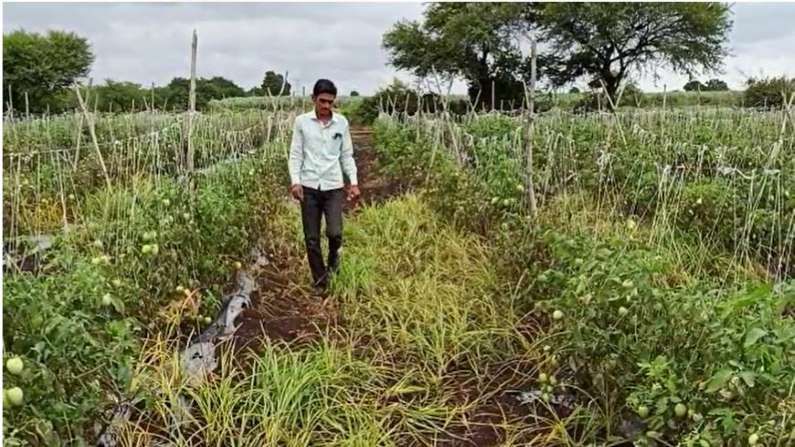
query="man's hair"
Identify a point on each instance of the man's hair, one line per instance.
(324, 86)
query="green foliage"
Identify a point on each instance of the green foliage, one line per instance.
(42, 66)
(694, 85)
(606, 41)
(473, 41)
(717, 85)
(175, 95)
(768, 93)
(645, 326)
(76, 347)
(713, 85)
(122, 96)
(635, 333)
(274, 84)
(354, 93)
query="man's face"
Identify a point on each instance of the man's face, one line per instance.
(323, 103)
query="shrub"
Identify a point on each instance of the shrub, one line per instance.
(767, 93)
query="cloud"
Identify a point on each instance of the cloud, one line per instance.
(150, 42)
(146, 42)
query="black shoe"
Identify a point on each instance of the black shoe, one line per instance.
(321, 286)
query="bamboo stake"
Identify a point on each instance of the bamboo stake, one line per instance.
(92, 132)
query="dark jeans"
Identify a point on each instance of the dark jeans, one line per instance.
(329, 204)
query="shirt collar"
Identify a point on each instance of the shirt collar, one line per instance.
(334, 117)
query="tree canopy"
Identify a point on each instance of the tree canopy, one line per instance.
(603, 43)
(473, 41)
(607, 41)
(272, 82)
(175, 94)
(42, 66)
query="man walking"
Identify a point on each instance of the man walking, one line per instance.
(320, 153)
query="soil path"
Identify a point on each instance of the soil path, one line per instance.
(285, 308)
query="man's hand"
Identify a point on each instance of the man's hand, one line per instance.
(297, 191)
(353, 192)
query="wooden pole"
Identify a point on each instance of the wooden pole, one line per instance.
(492, 96)
(531, 195)
(10, 102)
(93, 134)
(191, 101)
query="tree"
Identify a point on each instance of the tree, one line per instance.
(694, 85)
(273, 83)
(121, 96)
(43, 66)
(175, 94)
(768, 93)
(354, 93)
(607, 41)
(716, 85)
(473, 41)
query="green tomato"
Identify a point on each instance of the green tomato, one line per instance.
(680, 410)
(543, 377)
(557, 315)
(15, 396)
(15, 365)
(753, 439)
(106, 300)
(623, 311)
(543, 277)
(643, 411)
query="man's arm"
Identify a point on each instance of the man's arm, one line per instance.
(296, 159)
(346, 157)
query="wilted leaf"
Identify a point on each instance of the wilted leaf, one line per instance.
(748, 377)
(719, 380)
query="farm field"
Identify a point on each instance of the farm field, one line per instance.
(566, 224)
(650, 298)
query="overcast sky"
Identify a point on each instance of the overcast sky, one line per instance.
(150, 42)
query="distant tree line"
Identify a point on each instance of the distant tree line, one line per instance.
(39, 71)
(713, 85)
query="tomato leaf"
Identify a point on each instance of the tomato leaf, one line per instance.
(719, 380)
(748, 377)
(753, 336)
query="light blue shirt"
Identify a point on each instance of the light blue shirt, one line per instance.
(321, 153)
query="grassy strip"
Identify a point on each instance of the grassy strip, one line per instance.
(692, 353)
(420, 306)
